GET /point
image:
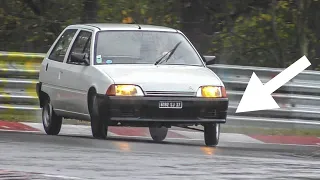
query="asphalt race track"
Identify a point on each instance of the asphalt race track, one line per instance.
(27, 155)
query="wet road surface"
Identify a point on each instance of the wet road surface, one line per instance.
(82, 157)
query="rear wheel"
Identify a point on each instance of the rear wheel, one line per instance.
(98, 127)
(212, 134)
(51, 122)
(158, 134)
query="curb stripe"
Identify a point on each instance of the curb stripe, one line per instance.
(5, 125)
(141, 132)
(301, 140)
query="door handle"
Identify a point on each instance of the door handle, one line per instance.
(59, 76)
(47, 66)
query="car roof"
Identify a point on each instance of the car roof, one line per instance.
(119, 26)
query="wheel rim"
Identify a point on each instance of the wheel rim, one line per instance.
(46, 116)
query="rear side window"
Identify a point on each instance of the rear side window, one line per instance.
(60, 49)
(81, 44)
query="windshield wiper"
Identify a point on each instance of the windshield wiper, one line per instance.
(171, 53)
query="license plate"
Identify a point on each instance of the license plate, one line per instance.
(170, 104)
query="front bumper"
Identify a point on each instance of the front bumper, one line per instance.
(146, 109)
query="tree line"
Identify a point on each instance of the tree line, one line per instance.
(272, 33)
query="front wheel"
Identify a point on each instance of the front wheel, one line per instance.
(158, 134)
(51, 122)
(212, 134)
(98, 127)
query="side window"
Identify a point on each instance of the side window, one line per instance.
(81, 44)
(60, 49)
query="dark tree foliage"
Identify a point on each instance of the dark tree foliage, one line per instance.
(271, 33)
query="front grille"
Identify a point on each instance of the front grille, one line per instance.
(170, 93)
(153, 112)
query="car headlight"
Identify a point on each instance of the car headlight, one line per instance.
(124, 90)
(212, 92)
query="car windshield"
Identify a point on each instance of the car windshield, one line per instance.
(144, 47)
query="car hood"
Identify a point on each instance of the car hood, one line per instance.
(162, 77)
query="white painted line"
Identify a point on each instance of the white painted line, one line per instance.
(61, 176)
(9, 130)
(303, 145)
(224, 137)
(274, 120)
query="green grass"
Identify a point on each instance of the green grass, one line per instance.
(225, 129)
(19, 118)
(36, 119)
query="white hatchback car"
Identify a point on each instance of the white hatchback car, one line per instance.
(130, 75)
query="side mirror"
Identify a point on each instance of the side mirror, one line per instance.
(209, 59)
(80, 58)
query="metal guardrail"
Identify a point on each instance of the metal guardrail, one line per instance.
(299, 99)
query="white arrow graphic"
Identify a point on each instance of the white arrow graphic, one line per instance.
(258, 96)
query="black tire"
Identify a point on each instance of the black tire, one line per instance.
(51, 122)
(158, 134)
(98, 127)
(212, 134)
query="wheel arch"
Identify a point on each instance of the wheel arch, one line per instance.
(91, 91)
(42, 96)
